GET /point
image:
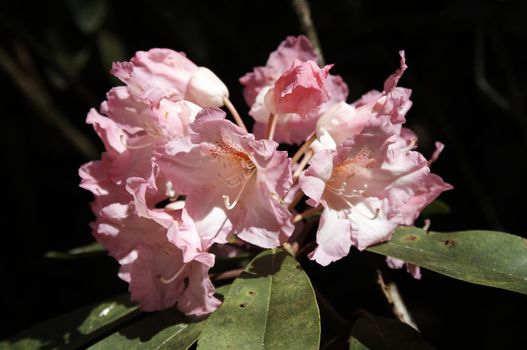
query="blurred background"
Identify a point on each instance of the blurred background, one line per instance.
(467, 71)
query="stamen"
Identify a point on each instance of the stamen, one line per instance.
(226, 198)
(173, 278)
(153, 131)
(169, 191)
(376, 215)
(124, 142)
(411, 145)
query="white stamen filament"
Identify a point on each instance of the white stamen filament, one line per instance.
(341, 192)
(173, 278)
(226, 198)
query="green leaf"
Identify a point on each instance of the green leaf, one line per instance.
(89, 250)
(489, 258)
(168, 329)
(271, 305)
(75, 329)
(371, 332)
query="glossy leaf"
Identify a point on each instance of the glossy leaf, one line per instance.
(168, 329)
(89, 250)
(271, 305)
(490, 258)
(371, 332)
(74, 330)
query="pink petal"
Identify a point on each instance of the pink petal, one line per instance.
(333, 238)
(300, 90)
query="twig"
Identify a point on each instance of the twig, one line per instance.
(391, 292)
(38, 97)
(303, 12)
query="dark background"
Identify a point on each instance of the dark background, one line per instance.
(466, 69)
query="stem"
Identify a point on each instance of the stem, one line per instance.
(234, 113)
(307, 213)
(391, 292)
(299, 195)
(303, 149)
(271, 126)
(303, 13)
(302, 165)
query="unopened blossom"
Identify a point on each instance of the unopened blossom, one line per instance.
(234, 184)
(362, 187)
(164, 73)
(296, 120)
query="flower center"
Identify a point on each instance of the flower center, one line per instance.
(341, 181)
(237, 169)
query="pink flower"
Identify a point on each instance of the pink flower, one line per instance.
(162, 269)
(300, 90)
(164, 73)
(174, 272)
(394, 101)
(339, 123)
(233, 182)
(363, 187)
(304, 91)
(292, 48)
(163, 257)
(131, 130)
(342, 120)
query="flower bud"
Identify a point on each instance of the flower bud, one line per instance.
(206, 89)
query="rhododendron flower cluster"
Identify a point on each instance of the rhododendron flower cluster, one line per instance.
(179, 180)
